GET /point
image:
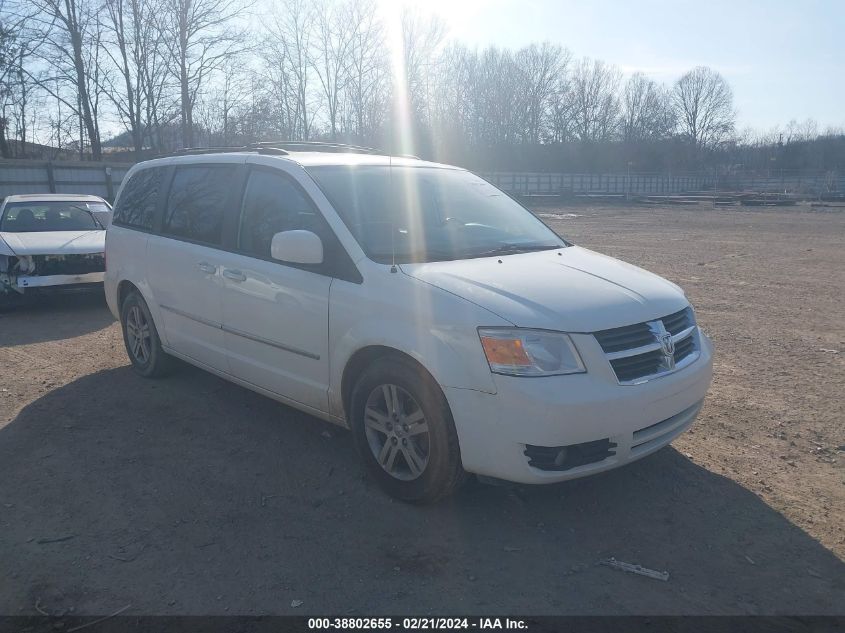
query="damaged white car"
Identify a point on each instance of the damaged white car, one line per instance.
(51, 242)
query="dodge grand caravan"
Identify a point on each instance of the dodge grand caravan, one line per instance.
(450, 329)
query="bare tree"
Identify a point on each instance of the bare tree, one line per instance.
(646, 110)
(334, 40)
(799, 132)
(97, 69)
(703, 102)
(454, 103)
(422, 37)
(13, 86)
(499, 98)
(70, 34)
(561, 115)
(25, 97)
(169, 71)
(288, 54)
(368, 73)
(225, 103)
(200, 35)
(21, 91)
(133, 45)
(160, 102)
(539, 70)
(595, 100)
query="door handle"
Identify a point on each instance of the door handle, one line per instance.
(234, 275)
(207, 268)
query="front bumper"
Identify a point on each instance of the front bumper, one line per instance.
(557, 411)
(36, 281)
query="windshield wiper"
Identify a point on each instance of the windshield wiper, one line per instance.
(433, 255)
(514, 249)
(91, 213)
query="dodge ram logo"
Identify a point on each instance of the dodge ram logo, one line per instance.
(667, 344)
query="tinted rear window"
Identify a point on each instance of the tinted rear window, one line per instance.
(136, 205)
(197, 202)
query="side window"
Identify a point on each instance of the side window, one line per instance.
(273, 203)
(197, 202)
(136, 205)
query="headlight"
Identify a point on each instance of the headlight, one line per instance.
(522, 352)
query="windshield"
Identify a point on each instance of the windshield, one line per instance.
(55, 215)
(430, 214)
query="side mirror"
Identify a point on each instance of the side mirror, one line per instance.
(297, 247)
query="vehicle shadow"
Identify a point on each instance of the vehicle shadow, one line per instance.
(191, 495)
(53, 317)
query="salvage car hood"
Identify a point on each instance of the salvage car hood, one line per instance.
(53, 242)
(570, 289)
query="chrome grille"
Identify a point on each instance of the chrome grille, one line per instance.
(622, 338)
(643, 351)
(679, 321)
(630, 368)
(684, 348)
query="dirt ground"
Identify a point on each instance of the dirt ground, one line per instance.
(193, 496)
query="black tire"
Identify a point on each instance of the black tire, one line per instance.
(443, 472)
(154, 362)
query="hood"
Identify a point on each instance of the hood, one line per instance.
(55, 242)
(572, 289)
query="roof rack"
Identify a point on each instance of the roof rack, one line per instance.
(193, 151)
(316, 146)
(282, 148)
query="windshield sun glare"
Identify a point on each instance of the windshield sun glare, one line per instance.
(424, 214)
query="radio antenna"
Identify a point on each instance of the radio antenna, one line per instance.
(391, 197)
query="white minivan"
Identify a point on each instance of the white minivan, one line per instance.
(442, 322)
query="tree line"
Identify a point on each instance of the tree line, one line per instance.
(148, 76)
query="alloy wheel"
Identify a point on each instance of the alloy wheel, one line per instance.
(138, 335)
(397, 432)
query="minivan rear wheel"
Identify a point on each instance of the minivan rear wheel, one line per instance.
(404, 431)
(140, 336)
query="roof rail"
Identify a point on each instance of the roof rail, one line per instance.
(194, 151)
(281, 148)
(316, 146)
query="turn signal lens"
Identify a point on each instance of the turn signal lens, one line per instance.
(524, 352)
(505, 351)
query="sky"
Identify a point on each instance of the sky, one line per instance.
(784, 59)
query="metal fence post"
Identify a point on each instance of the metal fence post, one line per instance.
(109, 183)
(51, 178)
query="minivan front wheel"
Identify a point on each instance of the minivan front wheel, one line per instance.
(404, 431)
(397, 432)
(140, 336)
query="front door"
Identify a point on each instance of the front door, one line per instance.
(276, 315)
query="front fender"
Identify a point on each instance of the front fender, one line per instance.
(436, 328)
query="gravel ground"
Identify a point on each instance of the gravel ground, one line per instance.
(194, 496)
